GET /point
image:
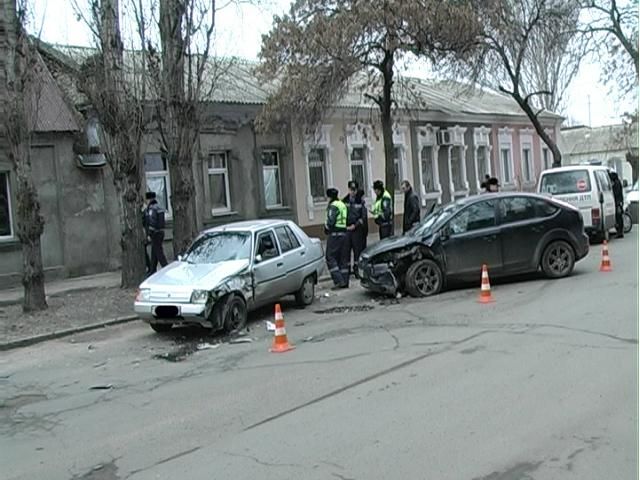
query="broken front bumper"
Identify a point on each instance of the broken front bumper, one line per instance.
(186, 313)
(378, 278)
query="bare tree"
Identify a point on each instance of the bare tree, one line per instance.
(182, 76)
(23, 75)
(511, 30)
(321, 49)
(116, 90)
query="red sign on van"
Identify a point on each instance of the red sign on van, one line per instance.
(582, 185)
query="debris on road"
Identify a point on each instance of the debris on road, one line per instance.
(207, 346)
(271, 327)
(345, 309)
(313, 339)
(240, 340)
(108, 386)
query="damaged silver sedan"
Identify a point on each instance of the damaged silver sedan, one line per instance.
(229, 271)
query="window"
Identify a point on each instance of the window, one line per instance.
(506, 165)
(603, 180)
(563, 183)
(457, 169)
(318, 173)
(427, 168)
(220, 247)
(267, 247)
(516, 209)
(544, 209)
(527, 163)
(546, 158)
(474, 217)
(397, 166)
(6, 227)
(157, 177)
(271, 178)
(288, 241)
(482, 155)
(358, 167)
(219, 182)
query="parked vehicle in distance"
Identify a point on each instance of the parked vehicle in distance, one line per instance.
(229, 271)
(588, 187)
(632, 199)
(512, 233)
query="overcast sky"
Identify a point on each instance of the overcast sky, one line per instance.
(240, 34)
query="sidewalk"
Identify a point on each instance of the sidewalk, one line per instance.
(54, 288)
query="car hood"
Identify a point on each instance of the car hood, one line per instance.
(202, 275)
(389, 244)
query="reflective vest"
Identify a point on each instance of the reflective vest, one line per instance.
(377, 207)
(341, 221)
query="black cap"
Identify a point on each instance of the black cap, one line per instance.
(378, 185)
(150, 195)
(493, 181)
(353, 185)
(332, 193)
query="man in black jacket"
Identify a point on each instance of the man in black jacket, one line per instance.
(357, 227)
(153, 221)
(411, 207)
(618, 198)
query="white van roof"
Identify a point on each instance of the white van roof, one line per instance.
(572, 168)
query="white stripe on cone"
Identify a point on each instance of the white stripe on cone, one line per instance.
(280, 332)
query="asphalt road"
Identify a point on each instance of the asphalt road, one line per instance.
(543, 384)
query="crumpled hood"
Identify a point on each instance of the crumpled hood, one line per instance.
(204, 276)
(389, 244)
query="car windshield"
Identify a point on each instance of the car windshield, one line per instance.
(440, 213)
(568, 182)
(220, 247)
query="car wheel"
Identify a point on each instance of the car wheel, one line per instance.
(161, 327)
(628, 222)
(307, 292)
(233, 314)
(423, 279)
(558, 259)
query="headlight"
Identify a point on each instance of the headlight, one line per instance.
(144, 295)
(199, 296)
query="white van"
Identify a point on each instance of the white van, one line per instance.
(587, 187)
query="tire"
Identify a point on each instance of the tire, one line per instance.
(307, 292)
(558, 259)
(627, 222)
(232, 313)
(423, 279)
(161, 327)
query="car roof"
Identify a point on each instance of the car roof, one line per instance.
(573, 168)
(491, 196)
(247, 226)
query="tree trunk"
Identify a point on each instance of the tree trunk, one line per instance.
(546, 138)
(132, 235)
(182, 203)
(387, 125)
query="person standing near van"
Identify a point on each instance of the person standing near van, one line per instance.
(618, 198)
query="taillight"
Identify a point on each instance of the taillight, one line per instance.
(595, 216)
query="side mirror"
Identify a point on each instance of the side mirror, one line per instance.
(258, 258)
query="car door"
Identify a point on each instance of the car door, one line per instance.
(609, 206)
(521, 229)
(473, 239)
(269, 273)
(293, 256)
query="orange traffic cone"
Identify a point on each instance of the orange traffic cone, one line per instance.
(280, 341)
(485, 287)
(605, 265)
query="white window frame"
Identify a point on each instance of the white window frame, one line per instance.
(545, 148)
(427, 138)
(526, 143)
(400, 142)
(271, 167)
(457, 141)
(167, 180)
(320, 139)
(12, 235)
(218, 171)
(505, 140)
(481, 137)
(363, 163)
(359, 136)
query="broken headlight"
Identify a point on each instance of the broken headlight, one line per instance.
(199, 296)
(143, 295)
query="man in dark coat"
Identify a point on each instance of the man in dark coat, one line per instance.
(357, 228)
(411, 207)
(153, 221)
(618, 198)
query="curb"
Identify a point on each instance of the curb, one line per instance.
(78, 289)
(24, 342)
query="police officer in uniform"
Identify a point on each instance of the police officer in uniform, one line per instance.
(154, 223)
(336, 230)
(383, 210)
(356, 238)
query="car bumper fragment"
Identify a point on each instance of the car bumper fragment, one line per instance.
(171, 313)
(378, 278)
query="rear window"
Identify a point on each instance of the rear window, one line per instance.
(562, 183)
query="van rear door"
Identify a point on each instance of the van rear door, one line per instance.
(572, 186)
